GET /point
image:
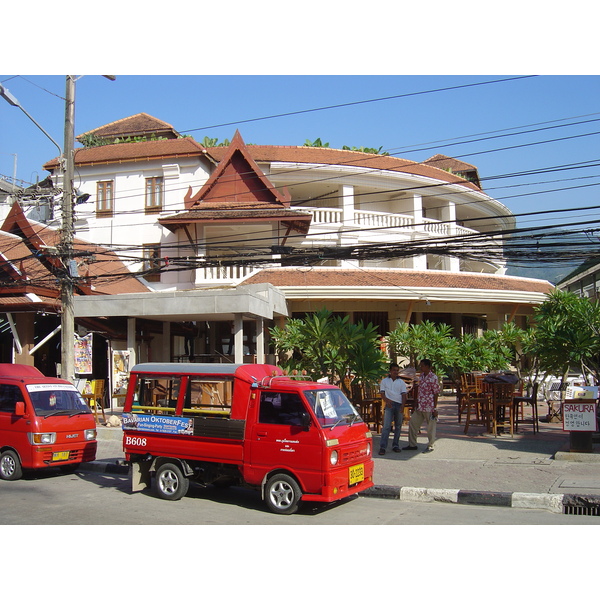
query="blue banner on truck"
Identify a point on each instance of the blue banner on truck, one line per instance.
(158, 423)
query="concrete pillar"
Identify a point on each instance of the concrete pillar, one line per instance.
(25, 326)
(419, 262)
(348, 237)
(260, 340)
(131, 342)
(348, 204)
(238, 339)
(166, 345)
(448, 212)
(198, 275)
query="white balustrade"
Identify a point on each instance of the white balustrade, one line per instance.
(324, 215)
(228, 273)
(364, 219)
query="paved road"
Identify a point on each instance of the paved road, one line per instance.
(88, 498)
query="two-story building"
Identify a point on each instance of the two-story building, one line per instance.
(235, 238)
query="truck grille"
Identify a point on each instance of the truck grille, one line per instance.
(352, 456)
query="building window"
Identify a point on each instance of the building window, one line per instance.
(154, 194)
(151, 265)
(105, 198)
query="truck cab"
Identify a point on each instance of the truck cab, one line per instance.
(224, 424)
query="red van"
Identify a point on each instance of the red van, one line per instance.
(44, 422)
(230, 424)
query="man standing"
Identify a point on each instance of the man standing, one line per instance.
(426, 409)
(393, 393)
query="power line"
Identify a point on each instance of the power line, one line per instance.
(345, 104)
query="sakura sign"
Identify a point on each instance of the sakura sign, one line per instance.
(579, 416)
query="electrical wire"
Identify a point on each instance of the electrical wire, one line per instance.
(346, 104)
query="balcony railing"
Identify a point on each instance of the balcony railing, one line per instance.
(369, 219)
(228, 273)
(333, 217)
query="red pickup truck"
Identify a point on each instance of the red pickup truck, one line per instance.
(227, 424)
(44, 422)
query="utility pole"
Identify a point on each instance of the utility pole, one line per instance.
(69, 271)
(66, 241)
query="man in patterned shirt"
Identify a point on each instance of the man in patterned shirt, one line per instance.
(426, 409)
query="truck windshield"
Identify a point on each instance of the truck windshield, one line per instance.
(331, 407)
(56, 399)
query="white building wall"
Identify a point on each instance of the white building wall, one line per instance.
(131, 227)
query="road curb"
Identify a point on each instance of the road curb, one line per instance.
(559, 503)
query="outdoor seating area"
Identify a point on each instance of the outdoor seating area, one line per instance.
(484, 400)
(500, 406)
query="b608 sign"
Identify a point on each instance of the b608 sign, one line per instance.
(135, 441)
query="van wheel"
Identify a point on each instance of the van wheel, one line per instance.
(10, 466)
(170, 482)
(282, 494)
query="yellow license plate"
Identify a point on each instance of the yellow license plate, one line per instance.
(356, 474)
(60, 456)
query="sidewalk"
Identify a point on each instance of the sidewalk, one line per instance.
(528, 470)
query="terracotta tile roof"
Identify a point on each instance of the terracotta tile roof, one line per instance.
(223, 211)
(138, 151)
(441, 161)
(331, 277)
(26, 265)
(331, 156)
(30, 304)
(140, 124)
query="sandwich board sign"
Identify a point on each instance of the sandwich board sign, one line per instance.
(579, 415)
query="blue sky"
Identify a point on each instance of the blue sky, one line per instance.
(415, 126)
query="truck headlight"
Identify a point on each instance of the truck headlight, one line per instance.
(368, 451)
(41, 438)
(333, 457)
(90, 434)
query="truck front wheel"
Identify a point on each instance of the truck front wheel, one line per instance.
(171, 484)
(282, 494)
(10, 466)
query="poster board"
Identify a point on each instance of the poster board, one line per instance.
(83, 354)
(120, 374)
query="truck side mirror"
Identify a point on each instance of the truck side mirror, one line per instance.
(305, 420)
(20, 409)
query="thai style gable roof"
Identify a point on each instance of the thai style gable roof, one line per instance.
(237, 182)
(238, 190)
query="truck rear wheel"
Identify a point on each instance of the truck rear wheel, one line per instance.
(10, 466)
(282, 494)
(171, 484)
